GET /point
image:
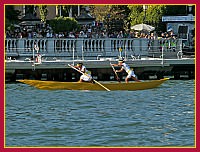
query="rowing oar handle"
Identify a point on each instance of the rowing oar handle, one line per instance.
(89, 76)
(118, 79)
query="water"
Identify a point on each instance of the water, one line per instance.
(163, 116)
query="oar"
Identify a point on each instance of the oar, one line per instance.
(89, 76)
(118, 79)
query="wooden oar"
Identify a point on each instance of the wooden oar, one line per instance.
(118, 79)
(89, 76)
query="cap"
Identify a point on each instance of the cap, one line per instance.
(120, 60)
(79, 64)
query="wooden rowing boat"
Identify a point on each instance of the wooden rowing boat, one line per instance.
(55, 85)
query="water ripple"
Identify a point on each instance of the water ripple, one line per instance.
(162, 116)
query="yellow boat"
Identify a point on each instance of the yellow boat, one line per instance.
(111, 86)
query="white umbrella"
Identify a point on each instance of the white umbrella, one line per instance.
(141, 27)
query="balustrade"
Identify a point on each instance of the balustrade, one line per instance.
(106, 47)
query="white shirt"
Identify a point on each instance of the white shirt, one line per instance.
(126, 67)
(83, 69)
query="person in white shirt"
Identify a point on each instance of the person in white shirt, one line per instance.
(82, 35)
(71, 35)
(86, 77)
(124, 66)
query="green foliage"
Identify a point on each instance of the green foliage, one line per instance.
(136, 15)
(8, 25)
(11, 17)
(154, 16)
(114, 17)
(154, 13)
(43, 12)
(11, 13)
(100, 12)
(63, 24)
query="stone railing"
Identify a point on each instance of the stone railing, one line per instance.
(65, 48)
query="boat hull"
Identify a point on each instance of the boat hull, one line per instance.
(54, 85)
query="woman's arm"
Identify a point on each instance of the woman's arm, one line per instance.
(120, 70)
(114, 64)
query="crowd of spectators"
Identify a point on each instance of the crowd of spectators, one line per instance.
(86, 31)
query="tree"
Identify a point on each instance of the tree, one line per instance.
(154, 13)
(114, 17)
(100, 12)
(63, 24)
(43, 12)
(135, 14)
(11, 13)
(11, 16)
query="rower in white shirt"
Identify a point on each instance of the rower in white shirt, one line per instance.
(124, 66)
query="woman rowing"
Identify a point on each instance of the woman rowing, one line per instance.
(124, 66)
(86, 77)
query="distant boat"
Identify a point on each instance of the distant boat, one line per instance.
(112, 86)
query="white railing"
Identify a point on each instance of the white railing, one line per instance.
(86, 48)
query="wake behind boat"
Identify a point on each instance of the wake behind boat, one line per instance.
(55, 85)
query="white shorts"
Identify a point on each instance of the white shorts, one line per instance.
(86, 78)
(130, 74)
